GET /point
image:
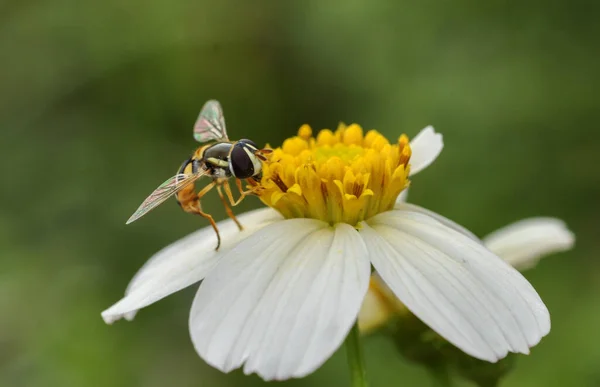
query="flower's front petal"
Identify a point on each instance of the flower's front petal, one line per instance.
(455, 285)
(426, 147)
(523, 243)
(283, 300)
(442, 219)
(184, 263)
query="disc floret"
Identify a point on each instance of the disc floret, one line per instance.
(338, 177)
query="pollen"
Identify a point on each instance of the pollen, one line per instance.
(341, 176)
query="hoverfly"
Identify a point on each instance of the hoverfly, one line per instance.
(219, 160)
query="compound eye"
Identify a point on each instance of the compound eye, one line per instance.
(240, 161)
(249, 142)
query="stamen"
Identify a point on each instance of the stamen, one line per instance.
(277, 180)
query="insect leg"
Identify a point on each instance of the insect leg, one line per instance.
(196, 208)
(213, 224)
(251, 191)
(226, 205)
(230, 194)
(205, 190)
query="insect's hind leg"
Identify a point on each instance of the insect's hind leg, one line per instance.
(213, 224)
(226, 205)
(193, 206)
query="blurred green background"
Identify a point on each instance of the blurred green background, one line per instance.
(97, 102)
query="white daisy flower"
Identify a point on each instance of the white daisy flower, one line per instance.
(521, 244)
(279, 298)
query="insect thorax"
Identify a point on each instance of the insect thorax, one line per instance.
(216, 158)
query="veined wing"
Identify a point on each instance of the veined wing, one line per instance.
(164, 191)
(210, 124)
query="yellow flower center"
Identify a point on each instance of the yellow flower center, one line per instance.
(342, 176)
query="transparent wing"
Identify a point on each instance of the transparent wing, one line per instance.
(210, 124)
(164, 191)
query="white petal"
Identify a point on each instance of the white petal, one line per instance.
(523, 243)
(283, 300)
(442, 219)
(403, 197)
(426, 147)
(455, 285)
(184, 263)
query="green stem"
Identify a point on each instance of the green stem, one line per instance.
(356, 362)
